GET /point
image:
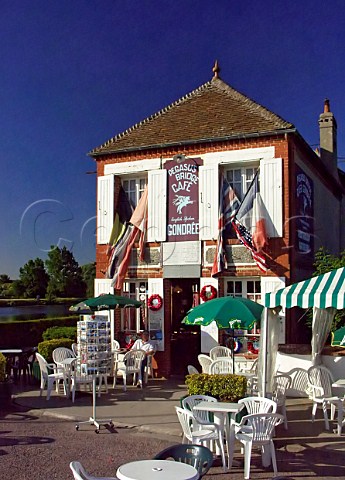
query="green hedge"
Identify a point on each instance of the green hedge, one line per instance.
(226, 388)
(2, 367)
(46, 348)
(28, 333)
(60, 332)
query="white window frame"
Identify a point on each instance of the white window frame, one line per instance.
(255, 296)
(137, 294)
(245, 180)
(140, 183)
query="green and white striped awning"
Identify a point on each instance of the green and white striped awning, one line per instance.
(324, 291)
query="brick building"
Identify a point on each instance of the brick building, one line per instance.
(180, 152)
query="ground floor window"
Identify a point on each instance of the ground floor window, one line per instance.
(135, 319)
(244, 287)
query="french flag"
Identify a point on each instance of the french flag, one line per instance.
(250, 225)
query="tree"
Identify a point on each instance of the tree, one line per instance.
(65, 274)
(34, 278)
(325, 262)
(89, 274)
(4, 278)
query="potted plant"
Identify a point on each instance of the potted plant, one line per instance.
(5, 384)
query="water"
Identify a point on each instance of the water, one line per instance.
(31, 312)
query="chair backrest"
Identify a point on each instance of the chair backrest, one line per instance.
(320, 377)
(258, 405)
(205, 362)
(115, 345)
(261, 425)
(78, 471)
(223, 365)
(192, 400)
(191, 369)
(61, 353)
(186, 419)
(197, 456)
(74, 348)
(43, 365)
(133, 360)
(281, 383)
(220, 351)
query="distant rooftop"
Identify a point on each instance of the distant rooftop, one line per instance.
(214, 111)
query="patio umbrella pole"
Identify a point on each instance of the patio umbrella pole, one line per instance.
(264, 352)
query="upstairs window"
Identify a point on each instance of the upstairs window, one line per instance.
(134, 188)
(240, 179)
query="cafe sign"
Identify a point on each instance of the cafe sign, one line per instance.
(183, 199)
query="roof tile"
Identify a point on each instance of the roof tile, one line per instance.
(214, 111)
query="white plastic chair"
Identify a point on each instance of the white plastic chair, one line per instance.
(223, 365)
(320, 381)
(258, 405)
(115, 345)
(192, 370)
(61, 353)
(202, 417)
(74, 348)
(131, 366)
(220, 351)
(205, 362)
(281, 384)
(259, 434)
(198, 435)
(79, 473)
(49, 376)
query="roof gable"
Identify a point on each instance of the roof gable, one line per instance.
(214, 111)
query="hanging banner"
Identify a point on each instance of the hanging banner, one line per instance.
(183, 199)
(304, 213)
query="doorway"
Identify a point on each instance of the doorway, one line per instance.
(185, 339)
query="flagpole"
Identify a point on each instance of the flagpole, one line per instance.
(248, 189)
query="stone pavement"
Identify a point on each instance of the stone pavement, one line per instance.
(304, 451)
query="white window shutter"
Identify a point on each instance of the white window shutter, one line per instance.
(103, 286)
(157, 205)
(208, 202)
(156, 317)
(272, 284)
(271, 189)
(105, 208)
(209, 334)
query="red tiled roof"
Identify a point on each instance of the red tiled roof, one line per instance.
(214, 111)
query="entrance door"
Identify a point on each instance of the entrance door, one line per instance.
(185, 339)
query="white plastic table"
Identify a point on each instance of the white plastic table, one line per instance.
(220, 411)
(156, 470)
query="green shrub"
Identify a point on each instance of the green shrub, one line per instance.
(46, 348)
(226, 388)
(2, 367)
(53, 333)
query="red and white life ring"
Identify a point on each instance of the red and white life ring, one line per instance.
(155, 302)
(208, 292)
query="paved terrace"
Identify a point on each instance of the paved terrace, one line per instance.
(305, 451)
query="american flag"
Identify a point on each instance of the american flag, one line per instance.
(249, 224)
(228, 206)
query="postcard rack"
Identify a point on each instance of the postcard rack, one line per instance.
(94, 358)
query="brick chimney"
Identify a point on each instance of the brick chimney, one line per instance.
(328, 138)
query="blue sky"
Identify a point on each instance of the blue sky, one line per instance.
(75, 73)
